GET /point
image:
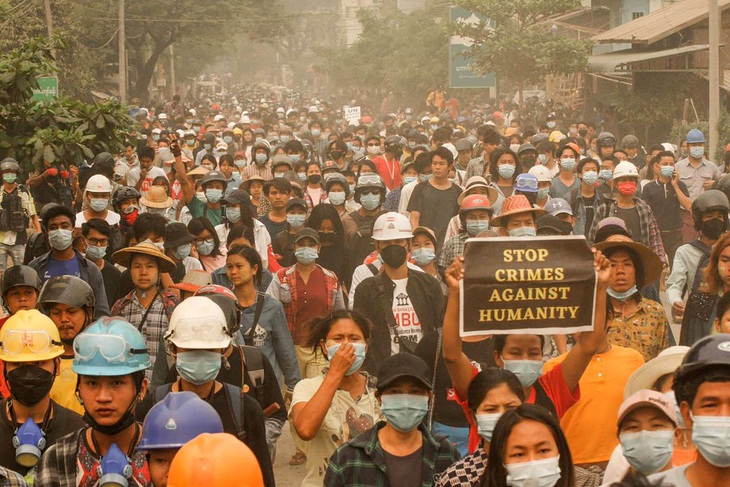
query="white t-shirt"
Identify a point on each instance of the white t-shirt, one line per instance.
(315, 194)
(409, 326)
(152, 173)
(405, 197)
(112, 218)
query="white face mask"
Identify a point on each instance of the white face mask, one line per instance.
(537, 473)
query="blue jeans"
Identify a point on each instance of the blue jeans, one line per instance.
(459, 437)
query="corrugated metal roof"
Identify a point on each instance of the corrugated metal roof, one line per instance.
(660, 23)
(609, 63)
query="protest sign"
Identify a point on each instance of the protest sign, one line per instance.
(536, 285)
(352, 115)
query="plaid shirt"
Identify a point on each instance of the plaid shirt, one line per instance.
(650, 234)
(361, 461)
(310, 203)
(157, 320)
(453, 247)
(8, 478)
(256, 170)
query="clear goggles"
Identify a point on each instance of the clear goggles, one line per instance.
(23, 341)
(113, 348)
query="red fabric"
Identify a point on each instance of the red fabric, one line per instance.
(312, 299)
(4, 389)
(274, 265)
(383, 170)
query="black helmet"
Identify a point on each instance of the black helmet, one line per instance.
(20, 275)
(44, 211)
(124, 193)
(209, 138)
(9, 164)
(710, 200)
(723, 184)
(393, 142)
(213, 176)
(69, 290)
(104, 158)
(710, 351)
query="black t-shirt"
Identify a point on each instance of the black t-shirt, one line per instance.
(590, 211)
(630, 216)
(404, 471)
(274, 228)
(64, 422)
(283, 245)
(662, 198)
(112, 283)
(436, 207)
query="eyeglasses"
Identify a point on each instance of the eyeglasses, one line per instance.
(112, 347)
(373, 145)
(98, 242)
(22, 341)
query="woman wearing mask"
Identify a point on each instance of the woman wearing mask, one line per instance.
(209, 162)
(424, 252)
(230, 171)
(314, 192)
(283, 243)
(338, 193)
(475, 185)
(568, 157)
(322, 406)
(207, 244)
(503, 169)
(491, 392)
(332, 255)
(239, 212)
(474, 215)
(528, 448)
(254, 186)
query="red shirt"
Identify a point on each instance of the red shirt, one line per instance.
(311, 303)
(389, 171)
(4, 389)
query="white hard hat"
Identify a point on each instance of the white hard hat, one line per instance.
(218, 118)
(198, 323)
(392, 226)
(313, 109)
(541, 173)
(452, 149)
(625, 169)
(193, 112)
(98, 184)
(245, 119)
(231, 125)
(163, 116)
(180, 133)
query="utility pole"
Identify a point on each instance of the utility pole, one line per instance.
(122, 55)
(714, 38)
(173, 81)
(49, 18)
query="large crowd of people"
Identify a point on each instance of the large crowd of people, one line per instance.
(258, 259)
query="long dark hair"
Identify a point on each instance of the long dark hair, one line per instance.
(198, 225)
(494, 169)
(321, 326)
(325, 211)
(488, 379)
(496, 473)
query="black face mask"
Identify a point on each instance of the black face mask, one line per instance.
(29, 384)
(113, 429)
(327, 237)
(713, 228)
(393, 255)
(583, 132)
(528, 161)
(314, 178)
(335, 155)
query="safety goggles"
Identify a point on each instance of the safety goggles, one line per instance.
(23, 341)
(113, 348)
(368, 179)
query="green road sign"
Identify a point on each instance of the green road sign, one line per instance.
(47, 89)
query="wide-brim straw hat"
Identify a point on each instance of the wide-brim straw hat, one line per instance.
(124, 256)
(651, 265)
(514, 205)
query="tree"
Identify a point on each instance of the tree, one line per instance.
(520, 45)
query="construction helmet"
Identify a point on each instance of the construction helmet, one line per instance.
(29, 336)
(625, 169)
(710, 351)
(69, 290)
(392, 226)
(9, 164)
(198, 323)
(110, 346)
(710, 200)
(20, 275)
(475, 202)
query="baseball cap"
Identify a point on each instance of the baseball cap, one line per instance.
(307, 233)
(403, 365)
(557, 206)
(644, 398)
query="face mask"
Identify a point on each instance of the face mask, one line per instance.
(590, 177)
(296, 221)
(527, 371)
(528, 161)
(227, 140)
(423, 256)
(352, 189)
(370, 201)
(295, 158)
(711, 436)
(543, 193)
(624, 295)
(207, 147)
(214, 195)
(409, 179)
(306, 255)
(373, 149)
(335, 155)
(201, 196)
(506, 171)
(393, 255)
(10, 178)
(60, 239)
(182, 251)
(98, 204)
(486, 424)
(205, 247)
(673, 399)
(582, 132)
(522, 232)
(359, 356)
(514, 147)
(697, 152)
(475, 227)
(284, 139)
(551, 125)
(404, 412)
(412, 145)
(95, 253)
(434, 127)
(667, 171)
(606, 174)
(198, 366)
(196, 129)
(542, 158)
(712, 228)
(190, 142)
(29, 442)
(239, 163)
(626, 188)
(156, 138)
(336, 197)
(425, 177)
(30, 384)
(233, 214)
(261, 159)
(314, 178)
(648, 451)
(567, 164)
(537, 473)
(316, 132)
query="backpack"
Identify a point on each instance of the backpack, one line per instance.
(252, 362)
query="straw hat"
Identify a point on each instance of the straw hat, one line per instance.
(512, 206)
(198, 171)
(650, 263)
(478, 182)
(246, 185)
(194, 280)
(124, 256)
(156, 197)
(646, 376)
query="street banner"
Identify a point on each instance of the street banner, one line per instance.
(539, 285)
(352, 115)
(462, 72)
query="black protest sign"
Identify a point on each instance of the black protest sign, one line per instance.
(536, 285)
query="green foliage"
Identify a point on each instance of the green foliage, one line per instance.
(66, 130)
(519, 46)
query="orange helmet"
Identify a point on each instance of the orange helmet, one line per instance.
(216, 460)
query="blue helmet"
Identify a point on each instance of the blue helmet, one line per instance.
(527, 183)
(695, 136)
(111, 346)
(177, 419)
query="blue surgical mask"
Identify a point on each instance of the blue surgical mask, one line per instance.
(302, 176)
(536, 473)
(648, 451)
(336, 197)
(667, 171)
(590, 177)
(98, 204)
(370, 201)
(296, 221)
(551, 125)
(261, 159)
(294, 158)
(506, 171)
(404, 412)
(425, 177)
(542, 158)
(359, 355)
(95, 252)
(279, 174)
(606, 174)
(409, 179)
(316, 132)
(233, 214)
(711, 436)
(527, 371)
(60, 239)
(214, 195)
(205, 247)
(624, 295)
(182, 251)
(423, 256)
(306, 255)
(284, 139)
(673, 399)
(201, 196)
(227, 140)
(198, 366)
(240, 163)
(486, 424)
(568, 164)
(697, 152)
(475, 227)
(10, 178)
(522, 232)
(543, 193)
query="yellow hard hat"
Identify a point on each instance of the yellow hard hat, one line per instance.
(29, 336)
